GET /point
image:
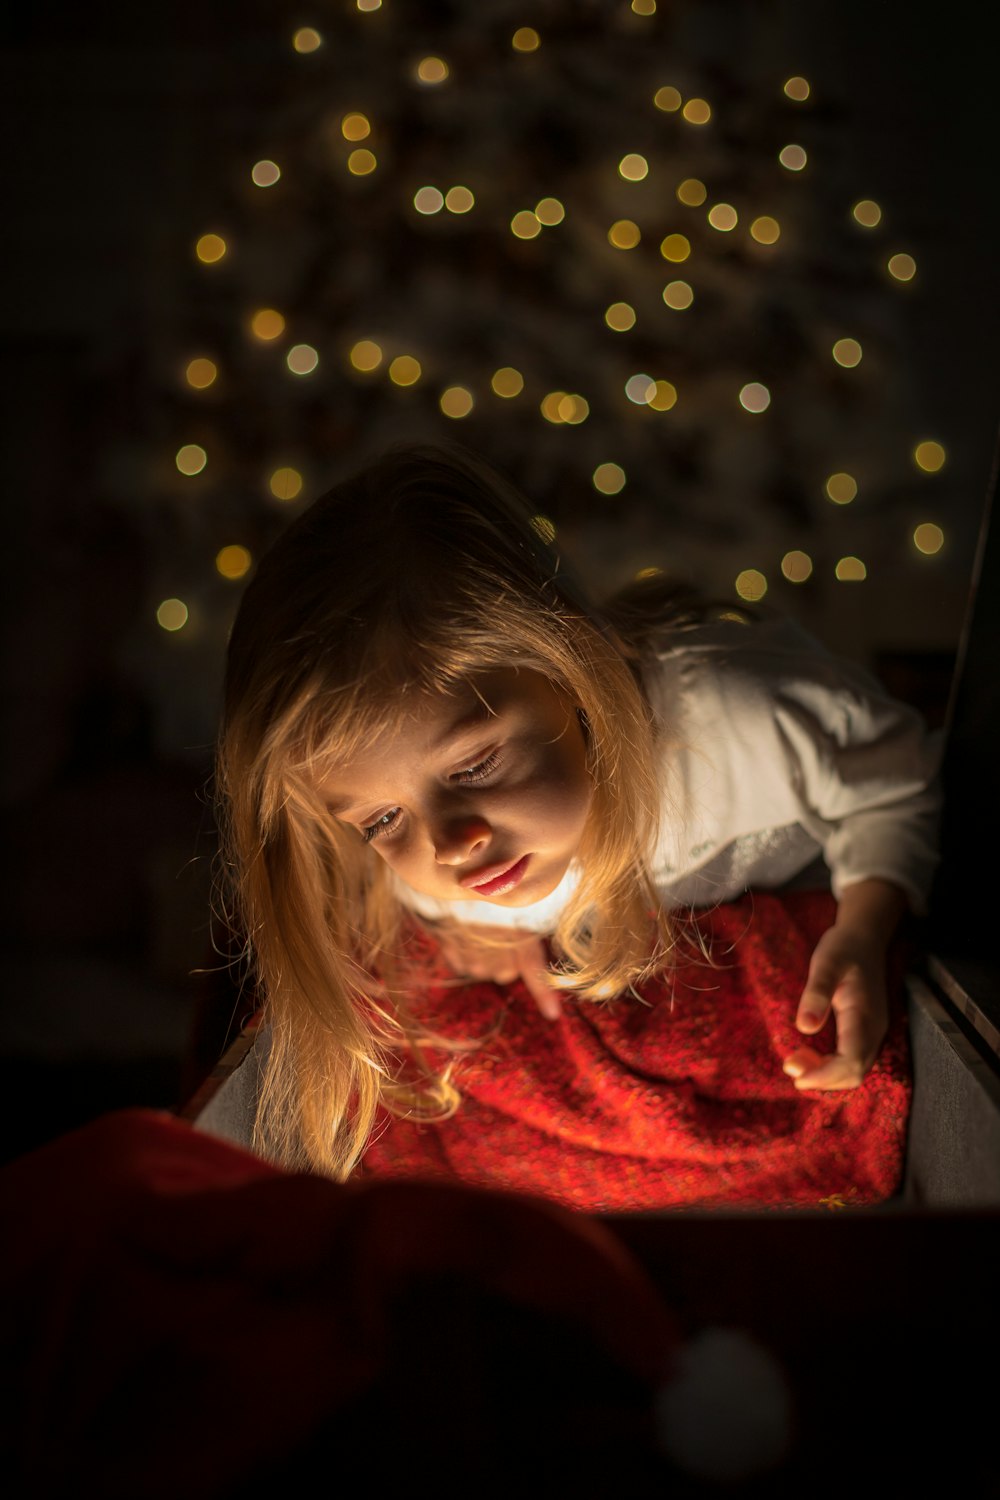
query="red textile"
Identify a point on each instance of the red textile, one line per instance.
(629, 1106)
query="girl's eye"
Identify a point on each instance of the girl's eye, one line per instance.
(484, 768)
(383, 825)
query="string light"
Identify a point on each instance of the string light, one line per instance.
(302, 359)
(691, 192)
(928, 538)
(525, 39)
(432, 70)
(624, 234)
(867, 213)
(525, 224)
(201, 373)
(929, 456)
(191, 459)
(549, 211)
(902, 267)
(851, 570)
(172, 614)
(365, 355)
(362, 162)
(796, 566)
(638, 388)
(573, 409)
(755, 397)
(697, 111)
(675, 247)
(751, 585)
(620, 316)
(633, 167)
(355, 126)
(307, 39)
(507, 382)
(847, 352)
(765, 230)
(210, 248)
(458, 200)
(609, 479)
(797, 88)
(428, 200)
(369, 5)
(663, 396)
(405, 370)
(723, 216)
(233, 561)
(456, 401)
(667, 98)
(267, 324)
(285, 484)
(678, 295)
(792, 158)
(265, 173)
(841, 488)
(550, 406)
(644, 7)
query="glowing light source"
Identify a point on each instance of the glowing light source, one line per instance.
(755, 397)
(172, 614)
(233, 561)
(609, 479)
(525, 39)
(797, 88)
(191, 459)
(620, 316)
(675, 247)
(633, 167)
(201, 373)
(841, 488)
(525, 224)
(544, 527)
(307, 39)
(355, 126)
(456, 401)
(903, 267)
(285, 484)
(302, 359)
(847, 352)
(929, 456)
(867, 213)
(458, 200)
(691, 192)
(573, 409)
(210, 248)
(723, 216)
(796, 566)
(928, 538)
(644, 7)
(678, 295)
(428, 200)
(624, 234)
(792, 158)
(549, 211)
(266, 173)
(550, 405)
(361, 162)
(663, 396)
(431, 70)
(644, 573)
(765, 230)
(369, 5)
(851, 570)
(697, 112)
(667, 99)
(365, 355)
(405, 370)
(639, 388)
(266, 324)
(507, 382)
(751, 585)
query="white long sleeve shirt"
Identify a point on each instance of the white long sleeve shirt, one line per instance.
(777, 757)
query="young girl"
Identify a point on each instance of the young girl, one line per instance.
(454, 795)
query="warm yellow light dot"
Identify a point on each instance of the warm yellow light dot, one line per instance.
(841, 488)
(620, 316)
(624, 235)
(675, 247)
(667, 99)
(431, 70)
(369, 5)
(307, 39)
(765, 230)
(233, 561)
(525, 39)
(644, 7)
(928, 538)
(507, 382)
(267, 324)
(361, 162)
(285, 484)
(723, 216)
(545, 528)
(172, 614)
(573, 409)
(609, 479)
(551, 406)
(210, 248)
(633, 167)
(428, 200)
(366, 355)
(663, 396)
(929, 456)
(201, 373)
(458, 200)
(549, 211)
(751, 585)
(697, 112)
(755, 397)
(405, 370)
(902, 267)
(797, 88)
(644, 573)
(692, 192)
(302, 359)
(191, 459)
(525, 224)
(265, 173)
(796, 566)
(456, 401)
(678, 295)
(851, 570)
(355, 127)
(639, 388)
(793, 158)
(847, 352)
(867, 213)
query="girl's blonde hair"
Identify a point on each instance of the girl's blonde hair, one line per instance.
(417, 571)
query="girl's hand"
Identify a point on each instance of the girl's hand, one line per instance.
(848, 973)
(509, 954)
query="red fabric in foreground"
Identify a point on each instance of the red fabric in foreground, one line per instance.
(632, 1106)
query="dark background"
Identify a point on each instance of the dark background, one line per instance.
(119, 123)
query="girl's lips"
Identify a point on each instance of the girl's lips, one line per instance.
(505, 879)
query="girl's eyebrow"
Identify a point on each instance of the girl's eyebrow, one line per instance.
(462, 725)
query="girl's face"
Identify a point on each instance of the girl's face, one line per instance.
(468, 788)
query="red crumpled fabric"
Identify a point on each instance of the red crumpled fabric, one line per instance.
(677, 1102)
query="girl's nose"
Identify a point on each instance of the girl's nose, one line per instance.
(457, 839)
